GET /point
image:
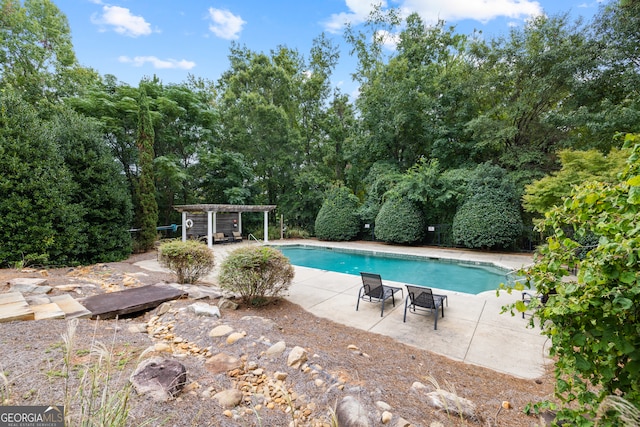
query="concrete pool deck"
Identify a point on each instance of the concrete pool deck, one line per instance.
(472, 331)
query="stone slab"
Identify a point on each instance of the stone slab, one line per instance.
(47, 311)
(110, 305)
(71, 307)
(15, 308)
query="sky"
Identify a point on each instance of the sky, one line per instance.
(133, 39)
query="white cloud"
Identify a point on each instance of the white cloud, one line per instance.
(358, 13)
(122, 21)
(389, 40)
(139, 61)
(479, 10)
(433, 10)
(225, 24)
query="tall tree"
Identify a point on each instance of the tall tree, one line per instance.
(100, 189)
(526, 77)
(260, 116)
(36, 52)
(147, 208)
(606, 92)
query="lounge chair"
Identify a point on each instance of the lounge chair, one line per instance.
(219, 238)
(236, 236)
(421, 298)
(373, 290)
(528, 297)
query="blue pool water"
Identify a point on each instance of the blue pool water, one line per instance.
(471, 278)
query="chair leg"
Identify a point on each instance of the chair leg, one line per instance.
(405, 310)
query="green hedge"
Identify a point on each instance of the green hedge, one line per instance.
(338, 218)
(486, 224)
(400, 221)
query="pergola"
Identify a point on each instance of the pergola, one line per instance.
(211, 210)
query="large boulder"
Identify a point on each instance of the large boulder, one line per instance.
(159, 378)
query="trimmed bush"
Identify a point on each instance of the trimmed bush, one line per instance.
(338, 218)
(486, 224)
(257, 273)
(189, 261)
(490, 217)
(400, 221)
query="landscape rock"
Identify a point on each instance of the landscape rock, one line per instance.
(220, 331)
(159, 378)
(297, 356)
(29, 285)
(383, 406)
(235, 337)
(277, 349)
(228, 398)
(204, 309)
(222, 362)
(452, 403)
(351, 413)
(386, 417)
(225, 303)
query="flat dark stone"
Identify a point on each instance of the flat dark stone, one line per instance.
(111, 305)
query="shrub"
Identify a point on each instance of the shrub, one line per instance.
(490, 217)
(400, 221)
(296, 233)
(273, 232)
(256, 273)
(486, 224)
(338, 218)
(592, 319)
(189, 260)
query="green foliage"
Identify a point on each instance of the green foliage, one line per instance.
(296, 233)
(189, 260)
(577, 167)
(36, 52)
(490, 217)
(257, 273)
(400, 221)
(338, 219)
(39, 216)
(100, 190)
(486, 224)
(382, 177)
(437, 191)
(147, 209)
(592, 319)
(272, 231)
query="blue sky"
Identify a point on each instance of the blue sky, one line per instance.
(132, 39)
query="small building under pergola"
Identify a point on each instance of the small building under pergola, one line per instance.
(204, 220)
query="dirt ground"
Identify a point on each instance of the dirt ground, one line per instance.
(341, 361)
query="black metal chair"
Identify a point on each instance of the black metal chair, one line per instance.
(529, 297)
(373, 290)
(421, 298)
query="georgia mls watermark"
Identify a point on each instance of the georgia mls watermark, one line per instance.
(31, 416)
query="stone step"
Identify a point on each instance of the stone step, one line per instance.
(13, 306)
(47, 311)
(71, 307)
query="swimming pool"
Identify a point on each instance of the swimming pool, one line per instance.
(467, 277)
